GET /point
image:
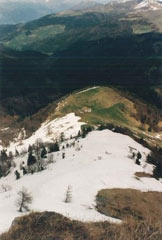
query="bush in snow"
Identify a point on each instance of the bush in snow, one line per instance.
(157, 173)
(67, 145)
(138, 162)
(62, 137)
(155, 157)
(31, 160)
(24, 200)
(17, 175)
(24, 170)
(139, 155)
(85, 130)
(39, 161)
(16, 153)
(53, 147)
(68, 196)
(43, 152)
(50, 159)
(30, 149)
(5, 188)
(5, 163)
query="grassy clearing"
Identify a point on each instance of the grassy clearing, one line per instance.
(139, 28)
(154, 17)
(99, 106)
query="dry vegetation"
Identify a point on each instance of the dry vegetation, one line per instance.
(154, 18)
(141, 213)
(143, 174)
(128, 203)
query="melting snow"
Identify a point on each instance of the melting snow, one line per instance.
(99, 161)
(50, 131)
(149, 4)
(88, 89)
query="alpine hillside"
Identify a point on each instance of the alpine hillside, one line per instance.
(81, 120)
(80, 149)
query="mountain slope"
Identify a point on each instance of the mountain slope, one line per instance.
(58, 31)
(83, 163)
(98, 107)
(92, 164)
(82, 24)
(132, 62)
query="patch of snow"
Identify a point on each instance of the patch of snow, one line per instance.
(21, 135)
(154, 8)
(88, 89)
(142, 4)
(159, 136)
(49, 131)
(4, 129)
(149, 4)
(99, 161)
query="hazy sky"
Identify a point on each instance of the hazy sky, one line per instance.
(70, 1)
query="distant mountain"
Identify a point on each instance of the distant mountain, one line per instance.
(149, 5)
(86, 5)
(58, 31)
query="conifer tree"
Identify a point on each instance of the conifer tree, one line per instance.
(23, 200)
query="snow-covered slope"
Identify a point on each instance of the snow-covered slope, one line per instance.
(149, 5)
(49, 131)
(99, 161)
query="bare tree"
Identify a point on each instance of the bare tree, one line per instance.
(23, 200)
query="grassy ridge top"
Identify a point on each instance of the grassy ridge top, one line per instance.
(96, 106)
(100, 105)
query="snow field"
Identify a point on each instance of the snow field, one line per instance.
(49, 132)
(99, 161)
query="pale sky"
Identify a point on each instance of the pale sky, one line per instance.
(70, 1)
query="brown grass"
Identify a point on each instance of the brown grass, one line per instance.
(46, 225)
(143, 174)
(128, 203)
